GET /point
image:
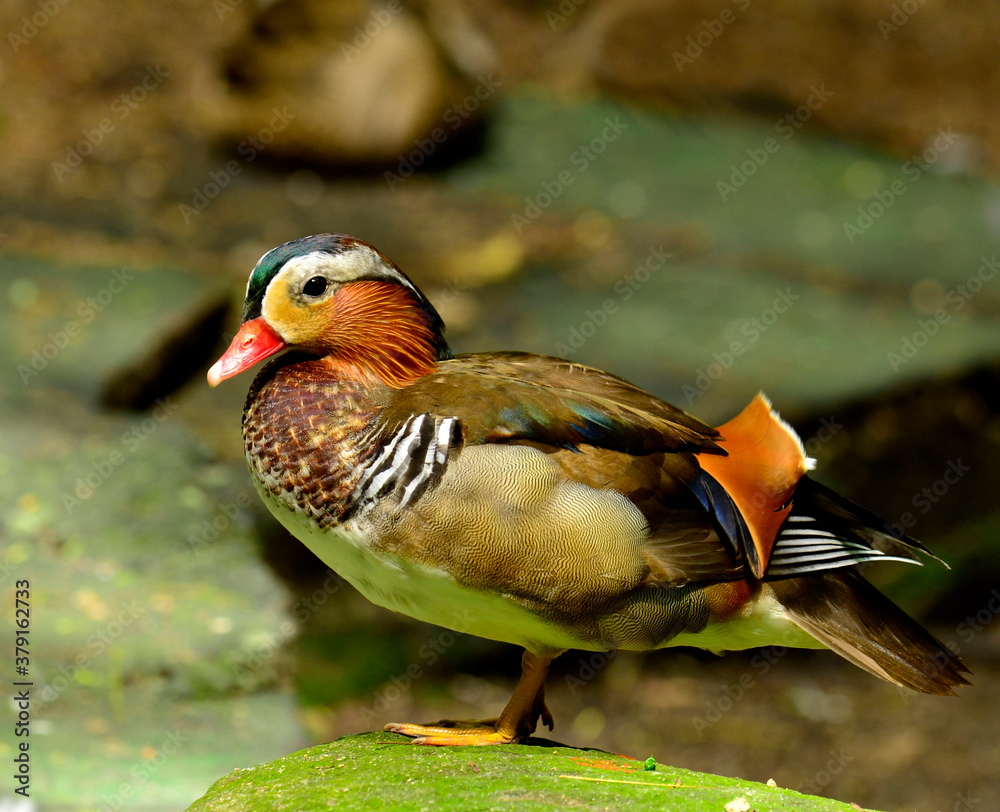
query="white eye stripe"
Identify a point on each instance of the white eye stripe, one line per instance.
(349, 265)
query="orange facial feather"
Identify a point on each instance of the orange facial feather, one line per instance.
(376, 332)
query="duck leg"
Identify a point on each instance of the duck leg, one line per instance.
(516, 722)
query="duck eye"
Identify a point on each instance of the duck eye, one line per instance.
(315, 286)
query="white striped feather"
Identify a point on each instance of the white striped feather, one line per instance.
(422, 439)
(805, 547)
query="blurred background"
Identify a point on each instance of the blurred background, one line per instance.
(707, 198)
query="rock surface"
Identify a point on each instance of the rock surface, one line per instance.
(352, 83)
(381, 770)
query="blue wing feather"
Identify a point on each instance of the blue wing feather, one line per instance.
(720, 506)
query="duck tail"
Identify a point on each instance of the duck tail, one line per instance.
(814, 573)
(806, 541)
(846, 613)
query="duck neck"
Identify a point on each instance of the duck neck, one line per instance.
(384, 335)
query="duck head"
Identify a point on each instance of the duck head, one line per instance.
(336, 296)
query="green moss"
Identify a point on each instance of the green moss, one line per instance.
(382, 770)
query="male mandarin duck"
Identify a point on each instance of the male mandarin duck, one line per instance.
(540, 502)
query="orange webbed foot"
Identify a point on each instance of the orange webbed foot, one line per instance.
(515, 724)
(470, 732)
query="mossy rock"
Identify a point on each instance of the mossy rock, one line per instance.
(383, 770)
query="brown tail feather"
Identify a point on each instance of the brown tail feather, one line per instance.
(843, 611)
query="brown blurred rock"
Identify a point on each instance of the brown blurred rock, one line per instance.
(899, 72)
(88, 90)
(864, 71)
(359, 82)
(84, 141)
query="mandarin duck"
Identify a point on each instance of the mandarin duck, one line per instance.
(540, 502)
